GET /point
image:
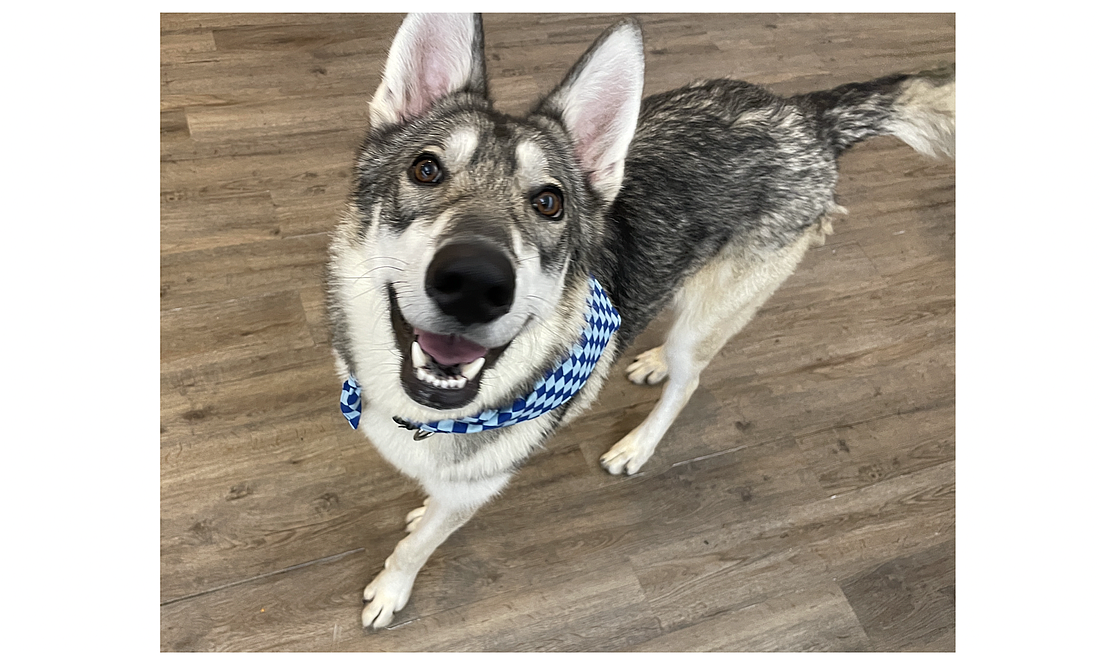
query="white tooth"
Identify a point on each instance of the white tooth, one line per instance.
(472, 369)
(420, 359)
(436, 382)
(422, 375)
(460, 383)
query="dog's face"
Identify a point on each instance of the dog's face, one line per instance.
(461, 269)
(478, 230)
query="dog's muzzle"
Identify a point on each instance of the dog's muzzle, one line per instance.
(472, 282)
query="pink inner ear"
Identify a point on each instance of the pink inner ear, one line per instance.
(595, 133)
(438, 61)
(432, 81)
(598, 122)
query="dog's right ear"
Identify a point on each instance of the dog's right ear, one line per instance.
(432, 56)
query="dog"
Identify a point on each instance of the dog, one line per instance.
(488, 270)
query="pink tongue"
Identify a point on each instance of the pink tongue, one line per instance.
(449, 349)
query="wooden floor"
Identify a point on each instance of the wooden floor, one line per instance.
(803, 501)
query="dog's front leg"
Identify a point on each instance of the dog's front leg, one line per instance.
(452, 504)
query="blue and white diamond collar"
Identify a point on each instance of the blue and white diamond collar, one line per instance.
(558, 385)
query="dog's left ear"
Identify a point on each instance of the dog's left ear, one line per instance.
(432, 56)
(599, 102)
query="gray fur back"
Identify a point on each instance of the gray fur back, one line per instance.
(724, 162)
(711, 164)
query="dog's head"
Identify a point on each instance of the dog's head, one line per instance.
(460, 270)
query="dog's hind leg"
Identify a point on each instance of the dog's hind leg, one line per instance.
(648, 368)
(713, 305)
(412, 519)
(452, 504)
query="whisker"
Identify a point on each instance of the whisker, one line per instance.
(366, 273)
(385, 257)
(372, 258)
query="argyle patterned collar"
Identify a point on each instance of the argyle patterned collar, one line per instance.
(558, 385)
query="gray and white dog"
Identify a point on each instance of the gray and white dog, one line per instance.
(466, 262)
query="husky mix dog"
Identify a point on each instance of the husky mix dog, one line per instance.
(488, 269)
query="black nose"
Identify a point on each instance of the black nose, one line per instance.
(472, 282)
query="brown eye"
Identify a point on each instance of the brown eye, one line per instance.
(426, 170)
(548, 203)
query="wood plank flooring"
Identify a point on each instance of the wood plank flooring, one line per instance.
(803, 501)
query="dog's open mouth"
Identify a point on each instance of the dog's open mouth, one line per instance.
(441, 371)
(446, 361)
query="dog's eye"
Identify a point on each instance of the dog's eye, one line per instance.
(426, 170)
(548, 203)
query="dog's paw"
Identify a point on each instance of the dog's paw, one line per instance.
(628, 455)
(386, 594)
(649, 367)
(412, 519)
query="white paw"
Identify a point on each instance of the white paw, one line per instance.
(628, 455)
(386, 594)
(412, 519)
(649, 367)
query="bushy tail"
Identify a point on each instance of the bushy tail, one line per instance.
(918, 109)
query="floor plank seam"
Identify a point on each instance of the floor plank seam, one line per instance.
(871, 260)
(710, 455)
(930, 407)
(323, 560)
(947, 402)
